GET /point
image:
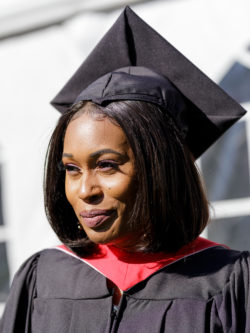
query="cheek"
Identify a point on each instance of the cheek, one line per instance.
(70, 191)
(120, 187)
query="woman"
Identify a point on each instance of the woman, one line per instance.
(124, 196)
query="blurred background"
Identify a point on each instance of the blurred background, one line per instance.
(43, 42)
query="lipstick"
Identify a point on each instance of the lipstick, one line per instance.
(95, 218)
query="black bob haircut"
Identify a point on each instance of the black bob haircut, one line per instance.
(170, 204)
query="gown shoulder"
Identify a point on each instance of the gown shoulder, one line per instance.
(206, 292)
(19, 303)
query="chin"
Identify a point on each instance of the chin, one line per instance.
(100, 238)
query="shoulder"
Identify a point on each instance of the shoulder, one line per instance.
(52, 273)
(20, 300)
(202, 275)
(27, 270)
(39, 264)
(215, 261)
(65, 275)
(216, 269)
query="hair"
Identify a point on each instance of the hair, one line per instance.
(170, 204)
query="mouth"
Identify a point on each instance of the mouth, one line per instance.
(95, 218)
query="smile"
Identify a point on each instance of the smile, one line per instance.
(95, 218)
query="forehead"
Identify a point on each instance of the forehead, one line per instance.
(92, 132)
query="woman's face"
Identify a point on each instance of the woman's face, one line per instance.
(100, 179)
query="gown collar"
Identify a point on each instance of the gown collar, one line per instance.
(126, 269)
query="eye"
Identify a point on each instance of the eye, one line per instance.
(71, 169)
(107, 165)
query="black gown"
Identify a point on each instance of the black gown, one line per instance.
(204, 292)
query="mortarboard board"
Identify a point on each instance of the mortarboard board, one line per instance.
(132, 61)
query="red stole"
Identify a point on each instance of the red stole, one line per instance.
(125, 269)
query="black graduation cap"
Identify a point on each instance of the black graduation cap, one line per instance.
(132, 61)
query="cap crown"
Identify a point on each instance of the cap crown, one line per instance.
(130, 42)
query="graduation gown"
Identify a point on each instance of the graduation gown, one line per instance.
(200, 290)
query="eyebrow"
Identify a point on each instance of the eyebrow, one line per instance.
(67, 155)
(97, 153)
(104, 151)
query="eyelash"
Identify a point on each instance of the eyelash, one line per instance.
(71, 168)
(103, 165)
(107, 164)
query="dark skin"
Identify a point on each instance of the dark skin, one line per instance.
(100, 175)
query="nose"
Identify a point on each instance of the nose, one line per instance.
(90, 190)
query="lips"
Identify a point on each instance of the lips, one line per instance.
(95, 218)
